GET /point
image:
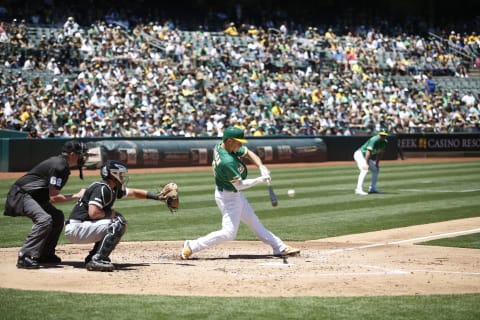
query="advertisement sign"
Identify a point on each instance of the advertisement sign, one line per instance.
(439, 142)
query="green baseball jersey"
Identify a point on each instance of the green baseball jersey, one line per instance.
(375, 145)
(228, 167)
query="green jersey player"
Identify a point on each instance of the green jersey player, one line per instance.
(368, 156)
(230, 179)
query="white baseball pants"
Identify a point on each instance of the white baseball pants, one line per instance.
(235, 208)
(87, 231)
(361, 163)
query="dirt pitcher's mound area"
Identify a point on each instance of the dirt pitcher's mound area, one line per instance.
(377, 263)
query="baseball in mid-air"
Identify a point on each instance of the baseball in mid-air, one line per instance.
(291, 193)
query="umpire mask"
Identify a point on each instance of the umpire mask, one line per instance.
(78, 148)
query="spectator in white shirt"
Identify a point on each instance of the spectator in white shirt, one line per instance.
(29, 64)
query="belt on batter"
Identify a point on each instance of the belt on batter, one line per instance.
(222, 190)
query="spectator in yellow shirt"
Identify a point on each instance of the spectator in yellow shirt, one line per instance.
(26, 115)
(276, 110)
(252, 31)
(330, 35)
(260, 132)
(231, 30)
(317, 95)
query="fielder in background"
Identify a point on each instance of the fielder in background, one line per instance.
(368, 156)
(230, 179)
(32, 196)
(93, 220)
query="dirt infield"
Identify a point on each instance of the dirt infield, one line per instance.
(371, 264)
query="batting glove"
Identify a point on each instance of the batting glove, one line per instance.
(265, 178)
(264, 171)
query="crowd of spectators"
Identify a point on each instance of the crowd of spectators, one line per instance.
(153, 79)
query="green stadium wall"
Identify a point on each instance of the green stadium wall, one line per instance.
(20, 154)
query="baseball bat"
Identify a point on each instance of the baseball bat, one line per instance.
(273, 197)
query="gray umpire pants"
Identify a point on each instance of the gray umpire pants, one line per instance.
(47, 223)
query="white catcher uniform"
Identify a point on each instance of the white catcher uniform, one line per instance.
(228, 169)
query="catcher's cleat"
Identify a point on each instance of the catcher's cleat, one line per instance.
(186, 251)
(99, 265)
(288, 251)
(89, 258)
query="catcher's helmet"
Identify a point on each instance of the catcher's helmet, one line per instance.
(117, 171)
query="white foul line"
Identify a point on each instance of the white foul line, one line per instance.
(436, 191)
(373, 245)
(442, 235)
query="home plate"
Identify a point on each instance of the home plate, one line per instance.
(276, 264)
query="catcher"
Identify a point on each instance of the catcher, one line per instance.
(93, 219)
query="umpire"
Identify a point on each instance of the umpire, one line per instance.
(32, 196)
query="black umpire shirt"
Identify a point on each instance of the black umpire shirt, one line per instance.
(52, 172)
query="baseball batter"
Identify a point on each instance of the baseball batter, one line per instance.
(231, 178)
(368, 156)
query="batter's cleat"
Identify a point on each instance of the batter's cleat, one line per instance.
(50, 259)
(371, 190)
(289, 251)
(186, 251)
(360, 192)
(27, 263)
(98, 264)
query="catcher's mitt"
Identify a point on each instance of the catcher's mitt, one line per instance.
(169, 194)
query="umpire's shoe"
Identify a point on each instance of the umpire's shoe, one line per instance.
(99, 264)
(27, 262)
(50, 259)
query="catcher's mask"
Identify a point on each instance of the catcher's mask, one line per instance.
(116, 171)
(79, 148)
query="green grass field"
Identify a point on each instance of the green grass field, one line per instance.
(324, 206)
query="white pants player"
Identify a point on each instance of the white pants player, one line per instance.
(361, 164)
(235, 208)
(87, 231)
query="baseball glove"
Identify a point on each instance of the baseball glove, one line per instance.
(169, 194)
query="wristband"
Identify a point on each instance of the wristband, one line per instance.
(151, 195)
